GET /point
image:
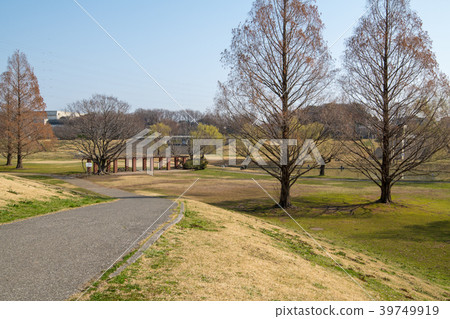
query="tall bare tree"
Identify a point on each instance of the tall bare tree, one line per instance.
(391, 71)
(278, 64)
(25, 109)
(6, 118)
(102, 126)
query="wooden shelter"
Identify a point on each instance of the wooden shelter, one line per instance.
(148, 163)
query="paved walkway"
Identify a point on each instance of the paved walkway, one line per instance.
(51, 257)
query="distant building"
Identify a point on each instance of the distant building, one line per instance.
(55, 118)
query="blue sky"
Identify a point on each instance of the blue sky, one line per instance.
(178, 42)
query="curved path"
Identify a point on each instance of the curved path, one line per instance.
(51, 257)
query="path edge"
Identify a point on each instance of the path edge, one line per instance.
(149, 242)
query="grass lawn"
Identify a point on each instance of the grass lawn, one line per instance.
(413, 234)
(45, 167)
(30, 196)
(61, 160)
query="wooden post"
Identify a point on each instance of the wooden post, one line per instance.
(88, 169)
(175, 160)
(133, 164)
(144, 164)
(169, 159)
(115, 166)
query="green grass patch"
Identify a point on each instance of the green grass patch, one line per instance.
(60, 168)
(320, 286)
(159, 285)
(44, 179)
(192, 220)
(30, 208)
(433, 185)
(121, 280)
(125, 286)
(295, 245)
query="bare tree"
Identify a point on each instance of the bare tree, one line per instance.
(187, 121)
(25, 109)
(391, 71)
(6, 117)
(102, 126)
(278, 64)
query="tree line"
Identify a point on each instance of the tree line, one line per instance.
(180, 122)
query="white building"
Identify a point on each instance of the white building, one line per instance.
(55, 117)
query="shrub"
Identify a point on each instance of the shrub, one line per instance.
(190, 164)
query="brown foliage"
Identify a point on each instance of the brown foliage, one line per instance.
(391, 71)
(22, 111)
(279, 64)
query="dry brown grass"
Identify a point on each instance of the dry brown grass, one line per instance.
(53, 162)
(237, 261)
(206, 190)
(14, 188)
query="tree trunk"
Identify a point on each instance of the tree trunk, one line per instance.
(19, 131)
(285, 194)
(19, 160)
(9, 148)
(102, 167)
(322, 170)
(19, 150)
(9, 159)
(386, 130)
(385, 197)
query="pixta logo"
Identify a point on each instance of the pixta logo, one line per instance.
(149, 146)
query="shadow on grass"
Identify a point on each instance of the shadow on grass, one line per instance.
(301, 208)
(437, 231)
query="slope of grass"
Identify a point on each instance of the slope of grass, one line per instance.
(216, 254)
(413, 233)
(58, 196)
